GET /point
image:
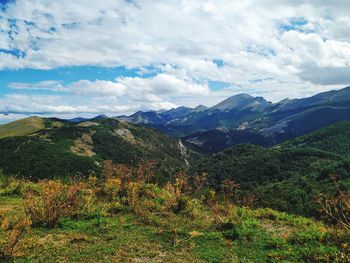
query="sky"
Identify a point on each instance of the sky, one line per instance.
(82, 58)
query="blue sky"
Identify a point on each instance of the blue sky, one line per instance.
(64, 74)
(69, 58)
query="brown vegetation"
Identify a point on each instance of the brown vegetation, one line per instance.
(14, 231)
(53, 201)
(336, 209)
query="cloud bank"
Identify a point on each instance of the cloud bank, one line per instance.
(272, 48)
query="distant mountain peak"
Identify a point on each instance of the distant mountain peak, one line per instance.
(76, 119)
(82, 119)
(242, 101)
(100, 117)
(200, 108)
(242, 95)
(181, 108)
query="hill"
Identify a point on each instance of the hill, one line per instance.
(22, 127)
(334, 138)
(217, 140)
(286, 179)
(57, 148)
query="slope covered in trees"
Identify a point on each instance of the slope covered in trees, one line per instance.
(334, 138)
(64, 149)
(287, 179)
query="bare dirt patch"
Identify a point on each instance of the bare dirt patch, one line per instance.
(84, 145)
(126, 135)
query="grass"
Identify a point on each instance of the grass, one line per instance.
(121, 238)
(11, 205)
(22, 127)
(121, 219)
(263, 235)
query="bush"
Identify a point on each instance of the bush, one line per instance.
(194, 209)
(12, 232)
(9, 185)
(54, 200)
(336, 210)
(111, 188)
(133, 192)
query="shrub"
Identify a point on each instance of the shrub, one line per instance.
(194, 208)
(144, 171)
(12, 233)
(229, 188)
(337, 209)
(128, 184)
(179, 192)
(9, 185)
(341, 238)
(199, 181)
(112, 187)
(54, 200)
(133, 189)
(121, 171)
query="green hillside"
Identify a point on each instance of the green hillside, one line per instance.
(64, 149)
(287, 179)
(334, 138)
(22, 127)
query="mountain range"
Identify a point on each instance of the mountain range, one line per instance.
(238, 119)
(246, 119)
(285, 176)
(256, 183)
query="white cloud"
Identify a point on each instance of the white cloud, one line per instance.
(124, 95)
(98, 88)
(162, 84)
(61, 104)
(136, 87)
(51, 85)
(302, 47)
(152, 32)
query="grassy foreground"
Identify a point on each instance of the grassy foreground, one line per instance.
(119, 219)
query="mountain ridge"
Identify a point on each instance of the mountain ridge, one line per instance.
(241, 118)
(247, 115)
(61, 148)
